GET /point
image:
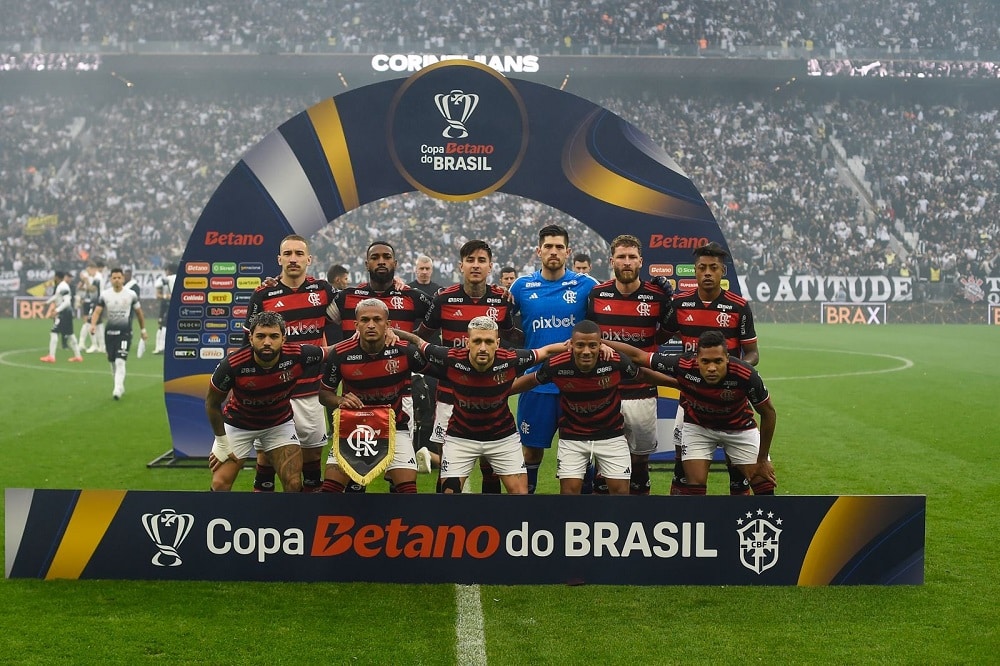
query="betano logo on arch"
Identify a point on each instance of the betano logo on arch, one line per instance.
(231, 238)
(676, 242)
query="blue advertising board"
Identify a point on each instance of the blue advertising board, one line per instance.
(494, 539)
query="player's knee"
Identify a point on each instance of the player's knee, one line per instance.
(617, 487)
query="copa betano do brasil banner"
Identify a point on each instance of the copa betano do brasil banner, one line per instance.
(455, 130)
(490, 539)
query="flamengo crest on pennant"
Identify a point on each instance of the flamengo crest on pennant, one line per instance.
(363, 440)
(167, 529)
(456, 107)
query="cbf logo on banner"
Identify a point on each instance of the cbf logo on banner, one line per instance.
(457, 131)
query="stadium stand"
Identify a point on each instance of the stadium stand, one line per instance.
(723, 25)
(815, 180)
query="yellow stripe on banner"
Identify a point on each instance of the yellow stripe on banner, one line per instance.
(193, 385)
(850, 525)
(668, 392)
(600, 182)
(326, 122)
(91, 518)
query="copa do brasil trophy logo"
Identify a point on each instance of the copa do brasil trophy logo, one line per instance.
(457, 133)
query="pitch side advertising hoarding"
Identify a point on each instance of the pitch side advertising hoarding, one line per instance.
(493, 539)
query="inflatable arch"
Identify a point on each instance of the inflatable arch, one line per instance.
(456, 130)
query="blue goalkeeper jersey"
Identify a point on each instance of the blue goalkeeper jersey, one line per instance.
(550, 309)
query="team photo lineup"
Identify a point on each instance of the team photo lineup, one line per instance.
(556, 338)
(319, 350)
(254, 254)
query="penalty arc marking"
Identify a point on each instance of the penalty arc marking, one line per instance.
(904, 364)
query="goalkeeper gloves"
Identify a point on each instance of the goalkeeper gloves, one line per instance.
(664, 284)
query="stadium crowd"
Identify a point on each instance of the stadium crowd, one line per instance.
(936, 169)
(128, 180)
(969, 27)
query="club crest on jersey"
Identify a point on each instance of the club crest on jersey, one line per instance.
(314, 298)
(724, 319)
(500, 377)
(604, 382)
(569, 296)
(759, 538)
(493, 313)
(643, 309)
(393, 366)
(397, 303)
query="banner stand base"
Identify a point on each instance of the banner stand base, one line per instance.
(168, 459)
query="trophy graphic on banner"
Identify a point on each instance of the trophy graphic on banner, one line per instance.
(167, 529)
(456, 107)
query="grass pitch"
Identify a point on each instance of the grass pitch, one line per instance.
(861, 410)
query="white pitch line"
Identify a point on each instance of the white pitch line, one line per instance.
(906, 364)
(470, 643)
(76, 368)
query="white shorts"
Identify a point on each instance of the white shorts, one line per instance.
(640, 425)
(698, 443)
(458, 456)
(678, 426)
(442, 414)
(245, 442)
(403, 457)
(612, 455)
(408, 406)
(310, 421)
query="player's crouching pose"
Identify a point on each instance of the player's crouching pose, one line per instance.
(258, 381)
(480, 376)
(719, 393)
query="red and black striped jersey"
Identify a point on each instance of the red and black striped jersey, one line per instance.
(306, 311)
(590, 401)
(729, 313)
(377, 379)
(452, 309)
(407, 306)
(722, 406)
(259, 397)
(480, 412)
(631, 318)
